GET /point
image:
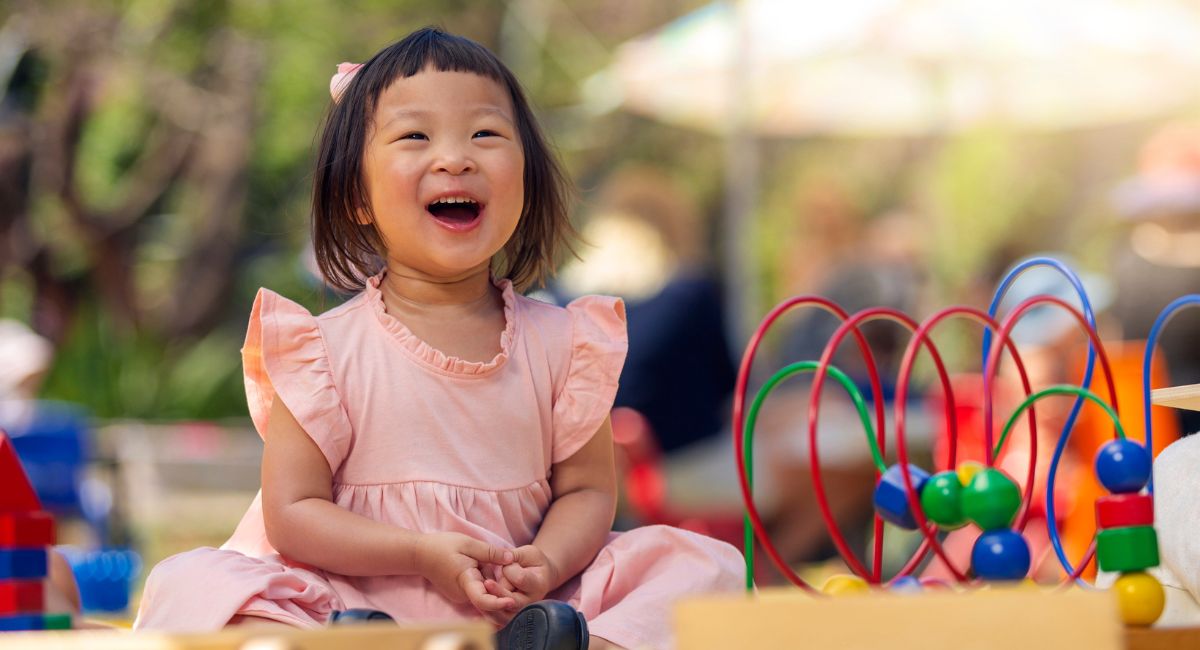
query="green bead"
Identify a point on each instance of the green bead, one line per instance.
(941, 500)
(991, 500)
(1132, 548)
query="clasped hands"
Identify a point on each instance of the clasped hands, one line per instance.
(497, 582)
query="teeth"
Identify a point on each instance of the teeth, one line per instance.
(453, 199)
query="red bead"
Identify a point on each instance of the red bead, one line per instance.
(18, 596)
(26, 529)
(1120, 510)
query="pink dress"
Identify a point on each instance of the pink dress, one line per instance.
(433, 443)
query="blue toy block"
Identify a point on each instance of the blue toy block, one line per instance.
(21, 622)
(22, 563)
(891, 500)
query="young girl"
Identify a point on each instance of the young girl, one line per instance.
(438, 447)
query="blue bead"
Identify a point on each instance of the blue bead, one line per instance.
(1000, 555)
(906, 584)
(1123, 466)
(891, 500)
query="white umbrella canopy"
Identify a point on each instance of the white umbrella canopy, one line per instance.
(902, 67)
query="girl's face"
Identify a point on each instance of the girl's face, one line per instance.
(445, 172)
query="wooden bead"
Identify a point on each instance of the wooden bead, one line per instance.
(941, 500)
(843, 584)
(1123, 466)
(1132, 548)
(991, 499)
(1121, 510)
(1140, 598)
(1000, 555)
(891, 499)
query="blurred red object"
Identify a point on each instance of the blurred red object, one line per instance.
(640, 471)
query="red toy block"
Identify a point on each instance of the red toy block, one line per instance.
(1123, 510)
(18, 596)
(26, 529)
(16, 494)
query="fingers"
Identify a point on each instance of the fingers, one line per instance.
(528, 555)
(499, 590)
(519, 577)
(488, 554)
(472, 583)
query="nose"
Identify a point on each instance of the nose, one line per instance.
(453, 160)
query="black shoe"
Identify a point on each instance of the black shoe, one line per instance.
(354, 616)
(544, 625)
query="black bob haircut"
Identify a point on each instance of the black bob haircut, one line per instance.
(348, 250)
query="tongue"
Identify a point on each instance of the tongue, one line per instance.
(453, 212)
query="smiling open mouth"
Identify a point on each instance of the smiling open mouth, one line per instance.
(455, 212)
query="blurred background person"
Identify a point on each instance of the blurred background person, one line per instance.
(645, 241)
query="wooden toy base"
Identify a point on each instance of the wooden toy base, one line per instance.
(1009, 618)
(375, 636)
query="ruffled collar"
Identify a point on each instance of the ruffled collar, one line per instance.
(431, 356)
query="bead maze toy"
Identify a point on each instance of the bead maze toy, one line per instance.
(970, 493)
(26, 533)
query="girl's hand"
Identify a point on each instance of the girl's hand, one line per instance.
(452, 561)
(526, 580)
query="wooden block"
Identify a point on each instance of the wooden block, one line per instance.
(22, 563)
(1179, 638)
(26, 529)
(475, 635)
(59, 621)
(16, 494)
(1180, 397)
(995, 618)
(21, 596)
(19, 622)
(1132, 548)
(1119, 510)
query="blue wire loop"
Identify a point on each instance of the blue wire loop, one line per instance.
(1148, 356)
(1073, 278)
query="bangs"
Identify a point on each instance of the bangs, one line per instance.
(431, 48)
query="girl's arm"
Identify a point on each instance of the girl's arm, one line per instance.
(304, 524)
(581, 516)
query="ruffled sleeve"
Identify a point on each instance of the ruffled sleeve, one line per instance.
(598, 346)
(284, 355)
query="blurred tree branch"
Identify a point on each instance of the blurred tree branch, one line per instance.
(196, 146)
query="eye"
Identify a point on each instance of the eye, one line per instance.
(484, 133)
(415, 135)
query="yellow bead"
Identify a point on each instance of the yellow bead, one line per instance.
(1140, 598)
(967, 471)
(841, 585)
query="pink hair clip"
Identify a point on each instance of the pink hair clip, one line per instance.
(339, 81)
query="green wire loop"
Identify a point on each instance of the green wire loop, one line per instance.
(1058, 389)
(748, 438)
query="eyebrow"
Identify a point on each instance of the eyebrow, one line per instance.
(418, 113)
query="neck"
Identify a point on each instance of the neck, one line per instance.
(408, 288)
